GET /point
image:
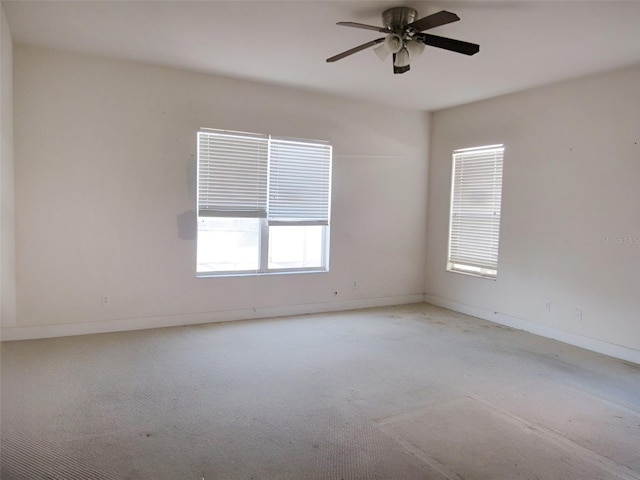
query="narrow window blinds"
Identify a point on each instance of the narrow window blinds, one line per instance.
(299, 186)
(475, 210)
(232, 174)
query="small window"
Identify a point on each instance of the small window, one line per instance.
(263, 204)
(474, 228)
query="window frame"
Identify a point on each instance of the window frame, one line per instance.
(483, 265)
(264, 221)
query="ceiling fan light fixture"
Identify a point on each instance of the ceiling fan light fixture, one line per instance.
(402, 58)
(414, 48)
(382, 52)
(393, 43)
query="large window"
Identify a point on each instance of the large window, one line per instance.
(474, 228)
(263, 204)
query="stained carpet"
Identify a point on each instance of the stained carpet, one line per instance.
(409, 392)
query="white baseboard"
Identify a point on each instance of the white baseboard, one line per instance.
(11, 333)
(610, 349)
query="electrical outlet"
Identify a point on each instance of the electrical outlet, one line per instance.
(547, 306)
(578, 314)
(106, 300)
(355, 284)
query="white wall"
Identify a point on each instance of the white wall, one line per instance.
(105, 167)
(7, 203)
(571, 181)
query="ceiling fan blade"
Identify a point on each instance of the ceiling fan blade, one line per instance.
(355, 49)
(362, 25)
(458, 46)
(396, 69)
(431, 21)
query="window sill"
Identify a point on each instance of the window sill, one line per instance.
(473, 274)
(259, 274)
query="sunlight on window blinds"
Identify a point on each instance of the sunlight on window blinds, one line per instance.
(475, 210)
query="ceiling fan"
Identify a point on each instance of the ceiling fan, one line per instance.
(405, 39)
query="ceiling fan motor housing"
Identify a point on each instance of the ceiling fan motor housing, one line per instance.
(395, 19)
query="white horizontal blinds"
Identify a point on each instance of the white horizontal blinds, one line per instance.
(232, 174)
(475, 210)
(299, 182)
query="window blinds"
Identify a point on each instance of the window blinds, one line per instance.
(246, 175)
(232, 174)
(299, 183)
(475, 210)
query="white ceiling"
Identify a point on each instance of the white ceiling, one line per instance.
(522, 43)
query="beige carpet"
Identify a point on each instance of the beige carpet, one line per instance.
(411, 392)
